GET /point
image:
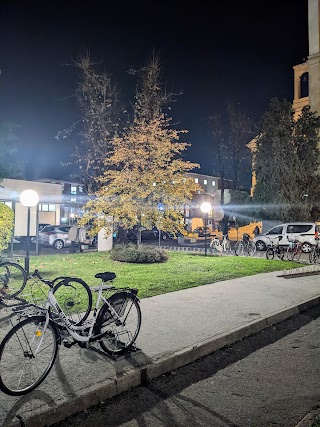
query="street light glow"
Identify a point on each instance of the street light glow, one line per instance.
(29, 198)
(205, 207)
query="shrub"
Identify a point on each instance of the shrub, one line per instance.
(6, 225)
(138, 254)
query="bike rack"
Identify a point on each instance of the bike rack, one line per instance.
(129, 352)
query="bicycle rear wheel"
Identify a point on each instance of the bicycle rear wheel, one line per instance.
(75, 299)
(13, 279)
(119, 333)
(270, 253)
(23, 366)
(227, 247)
(239, 248)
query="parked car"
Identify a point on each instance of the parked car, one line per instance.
(57, 237)
(23, 239)
(202, 231)
(289, 231)
(146, 234)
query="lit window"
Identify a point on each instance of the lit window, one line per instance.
(205, 182)
(44, 207)
(214, 183)
(73, 189)
(80, 190)
(73, 199)
(52, 208)
(8, 204)
(196, 180)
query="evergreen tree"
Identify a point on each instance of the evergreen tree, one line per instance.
(306, 139)
(282, 154)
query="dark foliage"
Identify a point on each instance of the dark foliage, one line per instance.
(138, 254)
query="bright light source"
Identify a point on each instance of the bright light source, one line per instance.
(205, 207)
(29, 198)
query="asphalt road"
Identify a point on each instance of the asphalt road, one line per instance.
(268, 379)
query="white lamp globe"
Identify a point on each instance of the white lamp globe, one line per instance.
(205, 207)
(29, 198)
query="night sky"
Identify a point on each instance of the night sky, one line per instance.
(212, 51)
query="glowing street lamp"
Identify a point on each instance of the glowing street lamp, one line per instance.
(28, 198)
(205, 208)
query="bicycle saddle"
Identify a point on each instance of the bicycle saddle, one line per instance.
(106, 276)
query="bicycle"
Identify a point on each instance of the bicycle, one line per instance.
(217, 246)
(314, 254)
(13, 279)
(29, 350)
(245, 245)
(275, 248)
(294, 249)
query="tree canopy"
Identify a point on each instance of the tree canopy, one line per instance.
(6, 225)
(286, 163)
(11, 165)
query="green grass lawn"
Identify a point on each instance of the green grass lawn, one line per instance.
(181, 271)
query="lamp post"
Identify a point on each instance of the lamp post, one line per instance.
(28, 198)
(205, 208)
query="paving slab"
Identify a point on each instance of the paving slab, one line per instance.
(177, 328)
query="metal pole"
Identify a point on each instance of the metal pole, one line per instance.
(26, 262)
(205, 233)
(37, 232)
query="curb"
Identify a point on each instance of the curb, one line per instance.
(134, 377)
(309, 418)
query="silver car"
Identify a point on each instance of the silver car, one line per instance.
(57, 237)
(305, 231)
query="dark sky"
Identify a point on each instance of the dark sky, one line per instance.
(212, 51)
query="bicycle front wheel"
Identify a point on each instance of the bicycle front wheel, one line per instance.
(13, 279)
(291, 253)
(251, 248)
(75, 299)
(313, 255)
(239, 248)
(27, 354)
(121, 329)
(270, 253)
(280, 252)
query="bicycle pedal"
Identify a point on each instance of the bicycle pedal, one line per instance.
(68, 344)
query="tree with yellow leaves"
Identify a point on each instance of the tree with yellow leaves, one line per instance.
(145, 180)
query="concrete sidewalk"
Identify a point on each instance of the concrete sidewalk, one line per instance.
(177, 328)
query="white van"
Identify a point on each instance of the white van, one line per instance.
(288, 232)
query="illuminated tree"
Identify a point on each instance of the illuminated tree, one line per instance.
(6, 225)
(144, 170)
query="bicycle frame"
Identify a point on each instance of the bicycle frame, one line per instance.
(72, 329)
